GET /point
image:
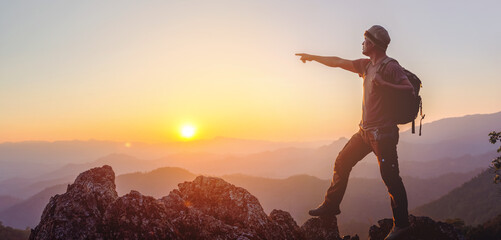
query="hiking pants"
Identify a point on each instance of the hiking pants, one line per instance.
(383, 142)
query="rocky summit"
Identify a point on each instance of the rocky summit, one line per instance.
(206, 208)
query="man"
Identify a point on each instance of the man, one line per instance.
(378, 131)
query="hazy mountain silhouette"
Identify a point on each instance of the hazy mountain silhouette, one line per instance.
(450, 137)
(282, 163)
(24, 187)
(476, 201)
(469, 127)
(27, 213)
(262, 164)
(365, 202)
(32, 158)
(466, 163)
(8, 201)
(121, 162)
(235, 146)
(446, 138)
(156, 183)
(278, 163)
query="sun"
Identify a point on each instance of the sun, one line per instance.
(188, 131)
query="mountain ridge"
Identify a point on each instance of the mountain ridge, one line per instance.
(475, 201)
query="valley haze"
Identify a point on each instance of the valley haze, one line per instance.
(432, 165)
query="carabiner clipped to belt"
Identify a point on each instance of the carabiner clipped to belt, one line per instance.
(375, 133)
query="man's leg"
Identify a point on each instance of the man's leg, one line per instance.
(385, 147)
(354, 151)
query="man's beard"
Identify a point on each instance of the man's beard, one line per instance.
(365, 52)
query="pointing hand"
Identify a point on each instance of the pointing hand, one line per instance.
(304, 57)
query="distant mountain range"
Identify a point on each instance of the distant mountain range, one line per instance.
(27, 159)
(365, 200)
(429, 169)
(450, 138)
(275, 164)
(446, 138)
(473, 127)
(157, 183)
(27, 213)
(475, 202)
(278, 164)
(449, 153)
(8, 201)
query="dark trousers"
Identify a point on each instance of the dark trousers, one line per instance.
(383, 142)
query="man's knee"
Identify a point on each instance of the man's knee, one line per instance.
(342, 166)
(390, 174)
(393, 181)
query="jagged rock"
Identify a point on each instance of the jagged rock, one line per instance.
(321, 228)
(207, 208)
(230, 211)
(192, 223)
(422, 228)
(135, 216)
(286, 224)
(78, 213)
(233, 205)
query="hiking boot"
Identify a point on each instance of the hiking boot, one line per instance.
(324, 210)
(397, 233)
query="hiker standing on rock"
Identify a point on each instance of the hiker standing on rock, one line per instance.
(382, 76)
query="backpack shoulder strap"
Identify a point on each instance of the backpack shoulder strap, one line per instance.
(383, 65)
(366, 69)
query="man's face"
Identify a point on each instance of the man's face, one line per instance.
(367, 46)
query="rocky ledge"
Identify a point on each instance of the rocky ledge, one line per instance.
(207, 208)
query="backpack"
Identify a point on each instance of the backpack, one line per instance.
(406, 106)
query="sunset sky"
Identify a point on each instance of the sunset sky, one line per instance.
(140, 70)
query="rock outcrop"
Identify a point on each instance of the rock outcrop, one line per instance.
(321, 228)
(135, 216)
(79, 213)
(206, 208)
(422, 228)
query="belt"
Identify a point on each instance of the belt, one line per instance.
(386, 129)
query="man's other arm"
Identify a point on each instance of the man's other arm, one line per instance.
(404, 85)
(329, 61)
(396, 79)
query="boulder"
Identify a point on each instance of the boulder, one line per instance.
(421, 228)
(321, 228)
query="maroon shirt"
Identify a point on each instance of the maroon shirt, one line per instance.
(376, 104)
